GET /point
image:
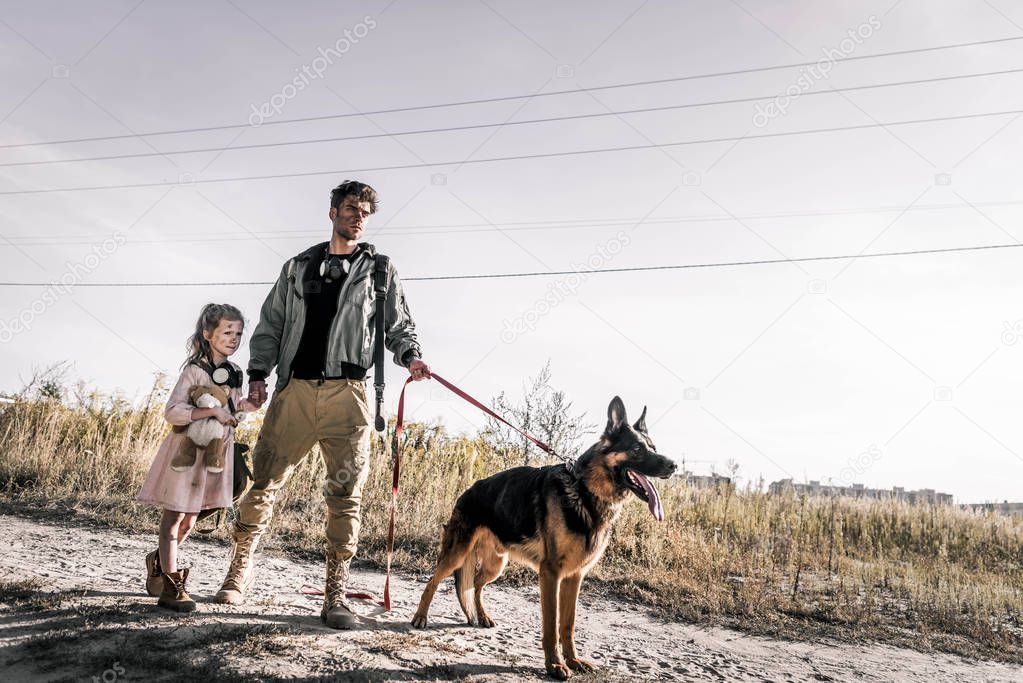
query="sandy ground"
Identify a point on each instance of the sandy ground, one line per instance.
(90, 619)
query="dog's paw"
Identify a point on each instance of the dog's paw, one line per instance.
(486, 622)
(576, 664)
(419, 621)
(558, 670)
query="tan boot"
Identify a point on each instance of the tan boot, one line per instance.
(240, 573)
(337, 613)
(154, 575)
(174, 596)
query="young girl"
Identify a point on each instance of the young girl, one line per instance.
(182, 493)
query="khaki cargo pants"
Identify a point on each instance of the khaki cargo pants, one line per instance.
(334, 414)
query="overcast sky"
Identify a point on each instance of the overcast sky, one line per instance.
(886, 371)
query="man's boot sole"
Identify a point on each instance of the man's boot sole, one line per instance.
(339, 622)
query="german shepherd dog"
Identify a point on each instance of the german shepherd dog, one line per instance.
(554, 519)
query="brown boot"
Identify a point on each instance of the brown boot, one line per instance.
(154, 575)
(337, 613)
(240, 573)
(174, 596)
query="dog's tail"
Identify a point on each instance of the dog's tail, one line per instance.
(465, 578)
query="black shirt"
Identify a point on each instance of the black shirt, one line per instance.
(321, 302)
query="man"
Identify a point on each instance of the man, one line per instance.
(317, 326)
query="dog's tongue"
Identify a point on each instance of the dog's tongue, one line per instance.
(653, 501)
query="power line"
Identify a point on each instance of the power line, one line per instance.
(519, 157)
(504, 226)
(506, 124)
(496, 276)
(506, 98)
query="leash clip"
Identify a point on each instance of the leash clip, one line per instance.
(379, 423)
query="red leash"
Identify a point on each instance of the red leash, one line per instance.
(396, 457)
(396, 454)
(544, 447)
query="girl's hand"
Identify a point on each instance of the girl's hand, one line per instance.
(257, 392)
(224, 416)
(247, 406)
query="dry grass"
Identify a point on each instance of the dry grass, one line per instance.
(929, 577)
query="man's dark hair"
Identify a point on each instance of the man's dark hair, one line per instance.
(353, 188)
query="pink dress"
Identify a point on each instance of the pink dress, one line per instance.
(193, 489)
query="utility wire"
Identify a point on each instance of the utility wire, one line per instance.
(477, 126)
(496, 276)
(519, 157)
(507, 98)
(506, 226)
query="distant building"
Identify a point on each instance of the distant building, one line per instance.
(1004, 508)
(815, 488)
(700, 481)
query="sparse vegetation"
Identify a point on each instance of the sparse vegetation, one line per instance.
(929, 577)
(27, 595)
(164, 651)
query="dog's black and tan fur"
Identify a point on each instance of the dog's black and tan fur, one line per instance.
(556, 520)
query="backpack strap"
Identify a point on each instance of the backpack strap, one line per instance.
(380, 282)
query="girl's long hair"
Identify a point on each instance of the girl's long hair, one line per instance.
(197, 347)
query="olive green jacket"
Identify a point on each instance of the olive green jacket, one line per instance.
(352, 332)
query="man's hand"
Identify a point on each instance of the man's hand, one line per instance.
(247, 406)
(419, 370)
(257, 393)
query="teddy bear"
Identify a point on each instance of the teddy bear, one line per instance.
(206, 434)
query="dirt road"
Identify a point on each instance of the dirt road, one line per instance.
(73, 608)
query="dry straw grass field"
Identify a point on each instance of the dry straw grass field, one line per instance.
(927, 577)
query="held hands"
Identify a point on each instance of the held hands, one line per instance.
(246, 405)
(257, 394)
(419, 370)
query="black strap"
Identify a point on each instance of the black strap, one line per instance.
(380, 287)
(207, 366)
(204, 364)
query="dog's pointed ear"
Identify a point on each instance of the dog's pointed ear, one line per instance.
(640, 425)
(615, 416)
